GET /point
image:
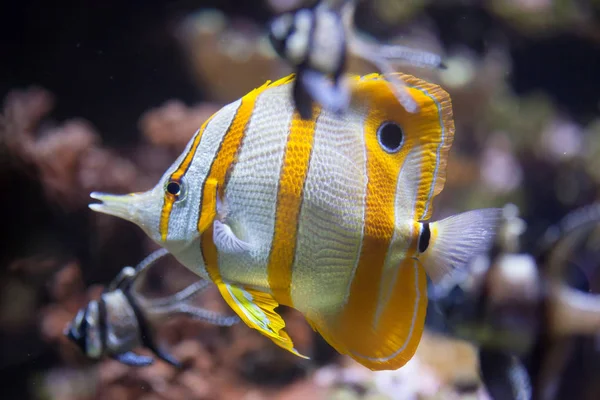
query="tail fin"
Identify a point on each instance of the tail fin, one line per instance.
(456, 240)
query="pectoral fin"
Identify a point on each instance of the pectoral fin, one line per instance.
(256, 309)
(226, 241)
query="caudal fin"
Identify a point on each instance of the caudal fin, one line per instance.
(456, 240)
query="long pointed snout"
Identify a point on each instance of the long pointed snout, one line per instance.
(139, 208)
(122, 206)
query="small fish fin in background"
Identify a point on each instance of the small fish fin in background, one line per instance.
(315, 42)
(449, 244)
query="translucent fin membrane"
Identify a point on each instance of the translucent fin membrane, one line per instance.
(177, 302)
(201, 314)
(413, 57)
(180, 296)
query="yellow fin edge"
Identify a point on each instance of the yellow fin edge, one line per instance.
(257, 310)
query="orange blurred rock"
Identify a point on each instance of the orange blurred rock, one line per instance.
(67, 282)
(238, 51)
(103, 170)
(111, 371)
(53, 322)
(193, 353)
(300, 331)
(301, 390)
(453, 361)
(198, 385)
(156, 375)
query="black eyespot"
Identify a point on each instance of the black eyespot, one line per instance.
(173, 188)
(390, 136)
(424, 237)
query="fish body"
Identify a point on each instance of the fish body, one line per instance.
(327, 215)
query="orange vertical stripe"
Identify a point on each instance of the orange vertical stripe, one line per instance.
(391, 342)
(378, 232)
(356, 323)
(289, 200)
(224, 159)
(169, 199)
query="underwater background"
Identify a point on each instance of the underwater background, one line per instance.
(104, 95)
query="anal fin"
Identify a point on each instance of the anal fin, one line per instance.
(257, 310)
(386, 340)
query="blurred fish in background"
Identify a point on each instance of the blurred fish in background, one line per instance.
(123, 319)
(116, 90)
(316, 42)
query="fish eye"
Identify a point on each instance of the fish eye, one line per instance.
(173, 188)
(390, 136)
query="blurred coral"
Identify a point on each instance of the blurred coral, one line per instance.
(240, 56)
(67, 157)
(171, 124)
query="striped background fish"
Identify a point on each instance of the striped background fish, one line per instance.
(327, 215)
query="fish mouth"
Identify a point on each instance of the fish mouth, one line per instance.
(138, 208)
(121, 206)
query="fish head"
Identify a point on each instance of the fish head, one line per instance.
(162, 212)
(143, 209)
(167, 213)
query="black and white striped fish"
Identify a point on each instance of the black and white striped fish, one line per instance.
(316, 41)
(122, 319)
